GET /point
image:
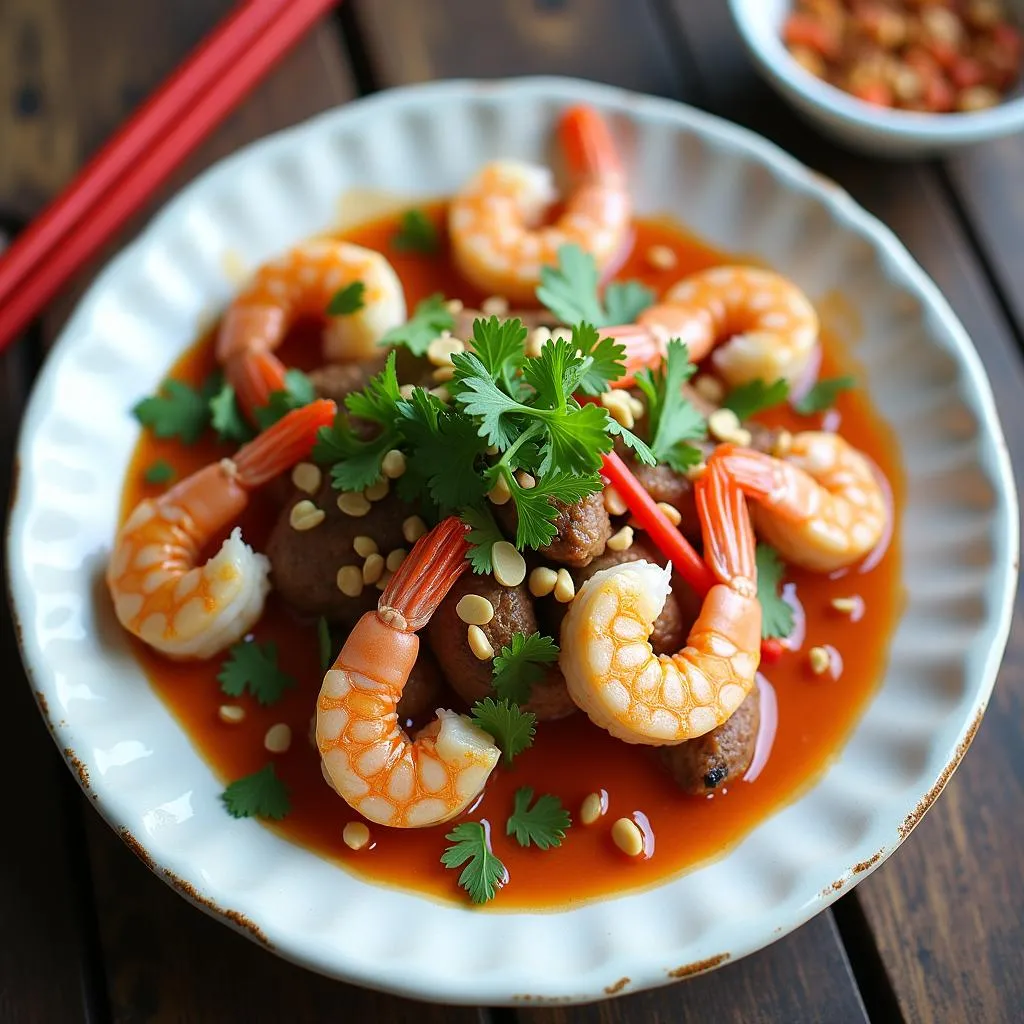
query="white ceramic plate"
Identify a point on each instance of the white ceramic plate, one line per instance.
(959, 529)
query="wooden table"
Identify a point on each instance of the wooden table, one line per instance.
(88, 933)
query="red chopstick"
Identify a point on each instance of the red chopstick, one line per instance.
(187, 108)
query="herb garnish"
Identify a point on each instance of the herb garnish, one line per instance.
(483, 874)
(160, 472)
(570, 291)
(178, 409)
(298, 392)
(543, 824)
(429, 319)
(512, 728)
(347, 300)
(253, 667)
(260, 795)
(416, 234)
(521, 664)
(776, 613)
(225, 416)
(755, 396)
(823, 395)
(673, 421)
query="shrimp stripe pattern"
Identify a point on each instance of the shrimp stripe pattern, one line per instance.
(160, 591)
(610, 669)
(821, 506)
(301, 284)
(495, 224)
(366, 756)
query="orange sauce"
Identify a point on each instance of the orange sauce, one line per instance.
(570, 758)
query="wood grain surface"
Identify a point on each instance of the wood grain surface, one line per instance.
(935, 934)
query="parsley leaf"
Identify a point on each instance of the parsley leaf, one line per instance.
(483, 874)
(347, 300)
(298, 391)
(512, 728)
(176, 410)
(823, 395)
(570, 291)
(607, 358)
(417, 233)
(483, 535)
(428, 320)
(543, 824)
(674, 421)
(226, 417)
(253, 667)
(159, 472)
(520, 665)
(260, 795)
(755, 396)
(776, 613)
(326, 644)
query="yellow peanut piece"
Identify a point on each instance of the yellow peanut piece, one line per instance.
(364, 546)
(627, 837)
(844, 605)
(509, 564)
(670, 512)
(542, 581)
(350, 580)
(622, 540)
(395, 559)
(594, 807)
(710, 388)
(307, 477)
(355, 835)
(526, 480)
(231, 714)
(661, 257)
(613, 502)
(494, 305)
(565, 589)
(373, 568)
(353, 503)
(820, 660)
(393, 464)
(479, 644)
(441, 350)
(500, 493)
(305, 515)
(378, 490)
(474, 610)
(413, 528)
(278, 738)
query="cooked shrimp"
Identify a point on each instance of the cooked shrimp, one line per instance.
(752, 322)
(495, 223)
(606, 656)
(161, 594)
(367, 757)
(821, 506)
(299, 284)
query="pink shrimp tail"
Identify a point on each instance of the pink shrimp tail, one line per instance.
(287, 442)
(255, 376)
(423, 580)
(587, 143)
(729, 546)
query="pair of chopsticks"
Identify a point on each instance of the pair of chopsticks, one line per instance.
(140, 157)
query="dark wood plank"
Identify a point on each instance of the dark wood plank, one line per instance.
(805, 975)
(946, 909)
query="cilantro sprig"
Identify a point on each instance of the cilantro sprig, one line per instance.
(347, 300)
(416, 233)
(178, 409)
(673, 421)
(776, 614)
(159, 472)
(259, 795)
(483, 873)
(253, 667)
(298, 391)
(428, 320)
(570, 291)
(226, 417)
(543, 825)
(755, 396)
(823, 395)
(512, 728)
(521, 664)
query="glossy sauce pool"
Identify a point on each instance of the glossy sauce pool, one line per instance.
(570, 758)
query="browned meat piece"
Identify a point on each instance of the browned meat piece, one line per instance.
(336, 380)
(672, 625)
(305, 563)
(664, 484)
(513, 613)
(423, 693)
(583, 529)
(705, 764)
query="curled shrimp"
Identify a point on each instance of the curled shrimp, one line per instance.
(753, 323)
(821, 505)
(367, 757)
(161, 595)
(494, 223)
(606, 657)
(299, 284)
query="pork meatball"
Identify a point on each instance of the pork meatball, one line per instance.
(582, 530)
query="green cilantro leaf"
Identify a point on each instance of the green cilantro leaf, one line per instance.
(625, 301)
(378, 401)
(326, 644)
(347, 300)
(512, 728)
(428, 320)
(417, 233)
(226, 417)
(521, 664)
(673, 421)
(483, 874)
(483, 535)
(643, 453)
(260, 795)
(537, 514)
(298, 391)
(499, 345)
(823, 395)
(776, 613)
(543, 824)
(176, 410)
(482, 397)
(570, 291)
(253, 667)
(160, 472)
(607, 358)
(755, 396)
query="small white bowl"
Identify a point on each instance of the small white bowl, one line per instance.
(874, 130)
